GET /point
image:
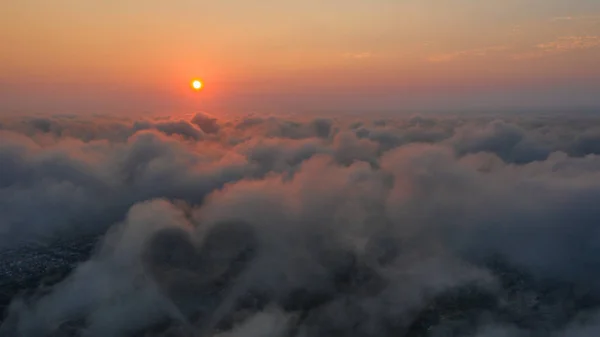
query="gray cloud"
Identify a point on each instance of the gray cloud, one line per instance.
(421, 226)
(206, 123)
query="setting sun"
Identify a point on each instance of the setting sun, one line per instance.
(196, 84)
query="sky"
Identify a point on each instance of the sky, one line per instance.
(69, 56)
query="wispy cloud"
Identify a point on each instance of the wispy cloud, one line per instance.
(478, 52)
(561, 45)
(562, 18)
(570, 43)
(582, 18)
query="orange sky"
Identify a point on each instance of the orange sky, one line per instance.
(285, 54)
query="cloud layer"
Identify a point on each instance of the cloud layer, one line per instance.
(264, 226)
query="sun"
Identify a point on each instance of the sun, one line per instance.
(196, 84)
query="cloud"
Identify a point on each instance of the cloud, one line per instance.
(206, 123)
(580, 18)
(182, 128)
(568, 43)
(562, 18)
(109, 290)
(93, 184)
(561, 45)
(477, 52)
(509, 142)
(265, 226)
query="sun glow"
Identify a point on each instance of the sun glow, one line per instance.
(197, 85)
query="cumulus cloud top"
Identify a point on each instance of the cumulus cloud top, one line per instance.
(266, 226)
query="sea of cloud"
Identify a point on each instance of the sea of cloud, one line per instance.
(450, 225)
